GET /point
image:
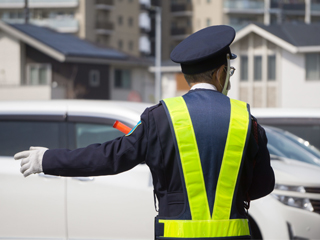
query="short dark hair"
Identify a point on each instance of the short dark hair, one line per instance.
(199, 77)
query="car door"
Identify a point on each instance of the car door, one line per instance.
(109, 207)
(32, 207)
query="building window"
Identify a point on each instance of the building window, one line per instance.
(257, 68)
(272, 68)
(39, 74)
(120, 20)
(208, 22)
(189, 22)
(130, 45)
(130, 21)
(313, 66)
(122, 79)
(120, 44)
(244, 68)
(94, 78)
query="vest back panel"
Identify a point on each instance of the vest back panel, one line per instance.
(209, 126)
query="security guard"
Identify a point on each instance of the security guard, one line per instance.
(207, 154)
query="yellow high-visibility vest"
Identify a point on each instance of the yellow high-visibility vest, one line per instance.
(203, 224)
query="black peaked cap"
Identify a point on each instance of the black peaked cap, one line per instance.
(205, 49)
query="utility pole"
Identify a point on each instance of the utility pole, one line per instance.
(280, 13)
(26, 11)
(158, 85)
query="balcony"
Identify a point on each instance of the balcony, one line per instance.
(145, 4)
(64, 25)
(39, 3)
(144, 22)
(104, 28)
(179, 33)
(179, 10)
(144, 45)
(244, 6)
(296, 8)
(104, 4)
(315, 7)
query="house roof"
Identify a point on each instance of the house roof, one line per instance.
(295, 37)
(67, 44)
(66, 47)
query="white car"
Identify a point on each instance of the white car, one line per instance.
(304, 123)
(48, 207)
(122, 206)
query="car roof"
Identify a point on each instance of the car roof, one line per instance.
(285, 112)
(122, 110)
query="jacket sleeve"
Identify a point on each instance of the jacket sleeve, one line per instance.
(262, 175)
(112, 157)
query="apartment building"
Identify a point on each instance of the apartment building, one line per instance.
(183, 17)
(123, 24)
(129, 25)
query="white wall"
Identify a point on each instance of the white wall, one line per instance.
(25, 92)
(169, 85)
(235, 79)
(295, 90)
(10, 60)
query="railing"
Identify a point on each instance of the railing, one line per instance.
(155, 2)
(181, 7)
(315, 6)
(104, 25)
(105, 2)
(60, 25)
(244, 4)
(38, 3)
(296, 6)
(181, 31)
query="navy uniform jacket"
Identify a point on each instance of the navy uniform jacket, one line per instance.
(152, 142)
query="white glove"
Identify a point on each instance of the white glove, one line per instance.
(31, 160)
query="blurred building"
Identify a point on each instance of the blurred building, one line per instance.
(183, 17)
(277, 65)
(129, 25)
(121, 24)
(38, 63)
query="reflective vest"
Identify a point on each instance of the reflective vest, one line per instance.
(205, 223)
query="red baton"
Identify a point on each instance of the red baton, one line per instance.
(121, 127)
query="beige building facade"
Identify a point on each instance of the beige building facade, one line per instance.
(121, 24)
(129, 25)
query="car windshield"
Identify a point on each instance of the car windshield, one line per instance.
(284, 144)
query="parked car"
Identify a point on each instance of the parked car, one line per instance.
(282, 143)
(292, 210)
(304, 123)
(49, 207)
(121, 206)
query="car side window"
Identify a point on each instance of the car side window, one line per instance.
(281, 146)
(16, 136)
(89, 133)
